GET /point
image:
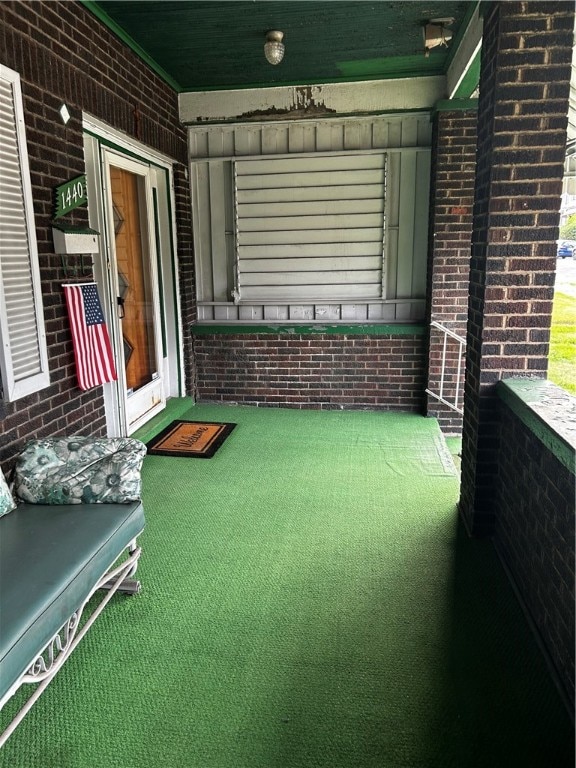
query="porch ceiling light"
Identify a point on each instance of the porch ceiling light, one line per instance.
(274, 47)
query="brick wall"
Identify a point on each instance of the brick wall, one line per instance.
(453, 170)
(522, 118)
(318, 371)
(63, 54)
(534, 536)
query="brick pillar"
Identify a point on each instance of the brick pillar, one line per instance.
(522, 119)
(453, 171)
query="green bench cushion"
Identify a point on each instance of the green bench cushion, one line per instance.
(50, 559)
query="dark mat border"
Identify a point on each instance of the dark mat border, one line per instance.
(229, 426)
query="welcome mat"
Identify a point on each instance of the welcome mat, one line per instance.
(195, 439)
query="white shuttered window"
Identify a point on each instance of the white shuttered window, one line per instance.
(310, 227)
(23, 357)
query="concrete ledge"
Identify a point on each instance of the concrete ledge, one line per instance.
(294, 329)
(548, 411)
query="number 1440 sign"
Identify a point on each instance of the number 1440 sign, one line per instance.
(69, 196)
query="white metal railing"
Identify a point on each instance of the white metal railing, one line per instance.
(461, 346)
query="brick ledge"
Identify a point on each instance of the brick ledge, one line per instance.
(547, 410)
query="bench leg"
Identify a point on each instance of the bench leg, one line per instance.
(49, 661)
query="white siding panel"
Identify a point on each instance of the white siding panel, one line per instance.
(274, 139)
(251, 312)
(311, 179)
(218, 232)
(247, 141)
(323, 163)
(299, 194)
(311, 236)
(291, 211)
(201, 219)
(310, 208)
(318, 223)
(407, 223)
(421, 204)
(303, 250)
(327, 264)
(292, 278)
(313, 292)
(276, 313)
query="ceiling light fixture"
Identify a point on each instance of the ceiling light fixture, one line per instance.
(274, 47)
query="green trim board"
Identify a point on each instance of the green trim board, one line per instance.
(69, 229)
(100, 14)
(456, 105)
(364, 329)
(387, 68)
(128, 153)
(460, 32)
(471, 78)
(545, 409)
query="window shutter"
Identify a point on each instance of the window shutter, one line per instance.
(23, 357)
(310, 227)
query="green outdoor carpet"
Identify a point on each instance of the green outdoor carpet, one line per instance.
(309, 601)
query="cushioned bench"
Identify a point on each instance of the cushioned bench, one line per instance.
(53, 558)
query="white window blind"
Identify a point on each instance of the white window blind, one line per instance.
(23, 357)
(310, 227)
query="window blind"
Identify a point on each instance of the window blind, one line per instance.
(23, 358)
(310, 227)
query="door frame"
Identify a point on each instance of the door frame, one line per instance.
(98, 139)
(140, 405)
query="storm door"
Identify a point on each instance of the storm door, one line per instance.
(134, 287)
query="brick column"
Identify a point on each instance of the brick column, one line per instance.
(453, 171)
(522, 118)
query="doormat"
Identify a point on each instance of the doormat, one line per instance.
(195, 439)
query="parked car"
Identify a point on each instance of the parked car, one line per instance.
(566, 248)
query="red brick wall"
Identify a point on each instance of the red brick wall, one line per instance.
(65, 55)
(318, 371)
(522, 119)
(453, 171)
(534, 535)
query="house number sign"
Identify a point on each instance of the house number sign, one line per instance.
(69, 196)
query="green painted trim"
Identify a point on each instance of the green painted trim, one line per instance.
(122, 150)
(68, 229)
(456, 41)
(313, 81)
(456, 105)
(471, 78)
(296, 329)
(541, 406)
(399, 66)
(100, 14)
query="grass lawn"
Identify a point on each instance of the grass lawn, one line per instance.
(562, 357)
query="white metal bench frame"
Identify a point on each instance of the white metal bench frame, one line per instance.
(44, 667)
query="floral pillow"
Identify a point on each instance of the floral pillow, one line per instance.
(7, 503)
(80, 470)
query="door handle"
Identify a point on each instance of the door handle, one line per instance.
(121, 311)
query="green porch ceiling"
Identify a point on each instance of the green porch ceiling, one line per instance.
(203, 46)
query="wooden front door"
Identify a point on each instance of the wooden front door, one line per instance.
(134, 279)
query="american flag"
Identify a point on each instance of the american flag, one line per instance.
(92, 349)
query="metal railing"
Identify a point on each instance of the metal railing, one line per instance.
(462, 345)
